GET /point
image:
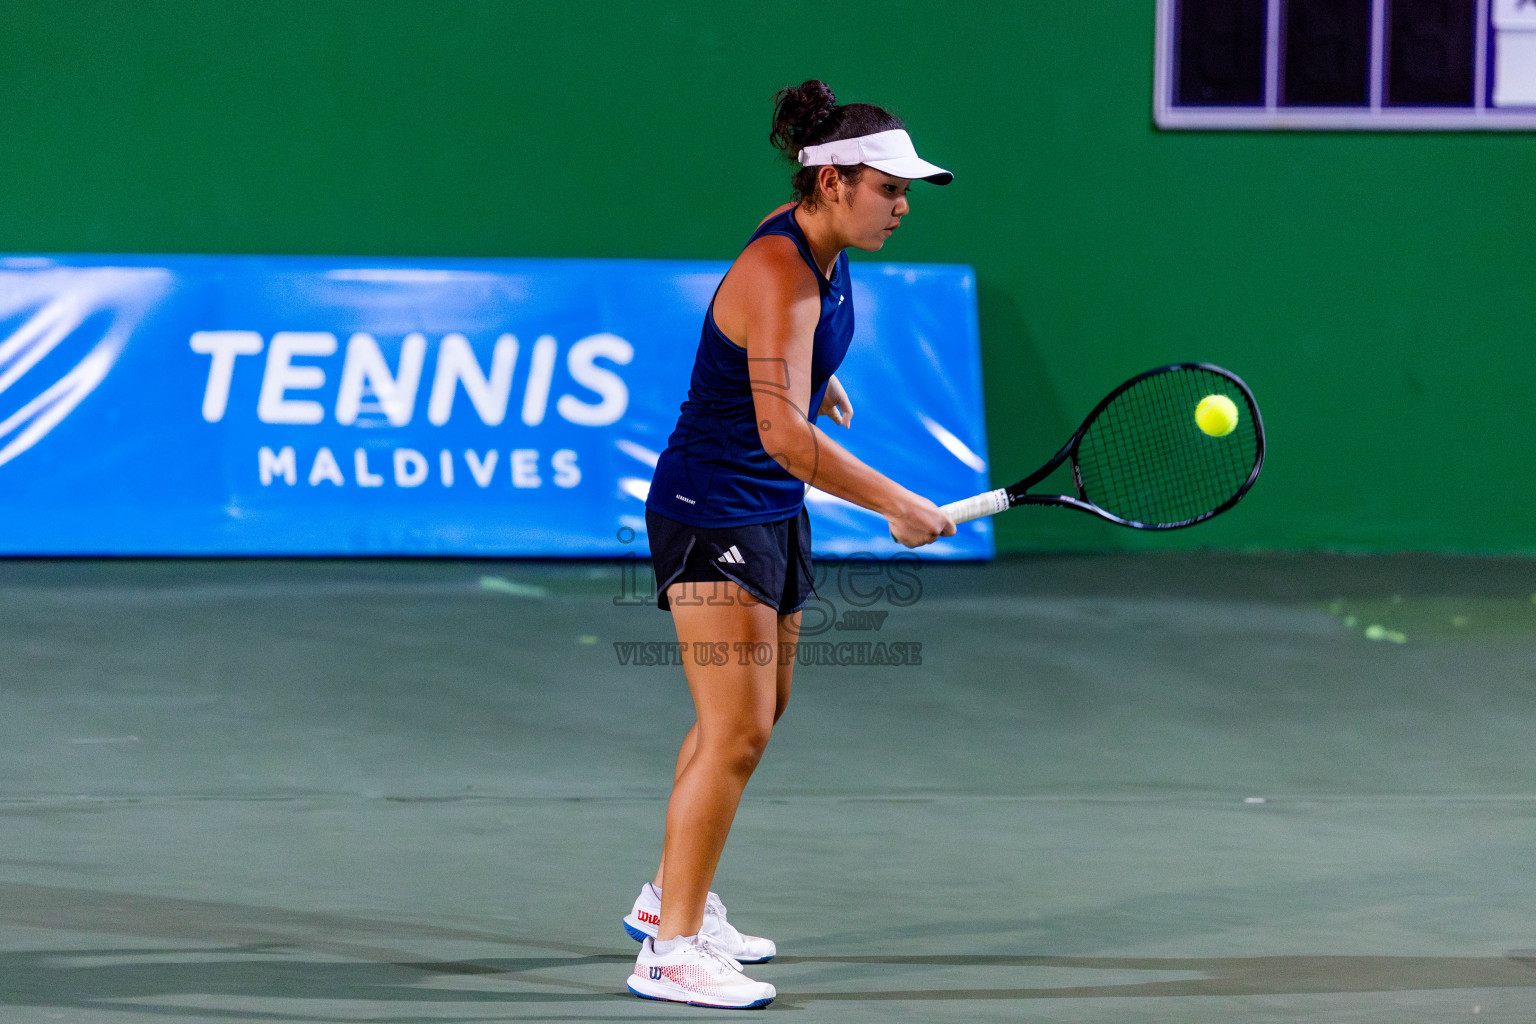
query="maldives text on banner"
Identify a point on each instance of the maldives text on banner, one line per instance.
(237, 405)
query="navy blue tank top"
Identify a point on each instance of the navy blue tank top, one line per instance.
(714, 471)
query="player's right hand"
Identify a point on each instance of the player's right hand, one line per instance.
(919, 522)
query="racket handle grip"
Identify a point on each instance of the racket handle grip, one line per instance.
(988, 504)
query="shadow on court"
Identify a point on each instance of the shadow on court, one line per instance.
(297, 955)
(1174, 788)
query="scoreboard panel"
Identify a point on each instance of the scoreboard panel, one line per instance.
(1374, 65)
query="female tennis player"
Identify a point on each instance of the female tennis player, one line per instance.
(730, 539)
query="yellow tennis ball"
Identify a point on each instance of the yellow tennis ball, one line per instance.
(1216, 415)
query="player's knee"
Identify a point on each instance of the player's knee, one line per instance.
(741, 752)
(753, 744)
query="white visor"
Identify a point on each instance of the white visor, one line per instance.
(891, 152)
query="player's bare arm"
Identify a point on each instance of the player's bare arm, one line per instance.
(770, 302)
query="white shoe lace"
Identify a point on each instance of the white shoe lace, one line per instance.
(707, 944)
(712, 905)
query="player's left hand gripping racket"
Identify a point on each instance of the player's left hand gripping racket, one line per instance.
(1142, 461)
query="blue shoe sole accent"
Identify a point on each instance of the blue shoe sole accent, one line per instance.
(713, 1006)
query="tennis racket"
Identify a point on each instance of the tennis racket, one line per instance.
(1141, 460)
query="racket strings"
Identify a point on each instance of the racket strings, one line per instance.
(1144, 458)
(1176, 473)
(1185, 473)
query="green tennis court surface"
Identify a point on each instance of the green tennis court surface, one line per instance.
(427, 792)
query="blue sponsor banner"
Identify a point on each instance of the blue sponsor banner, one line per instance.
(233, 405)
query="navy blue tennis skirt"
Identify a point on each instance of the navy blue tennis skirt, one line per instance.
(770, 561)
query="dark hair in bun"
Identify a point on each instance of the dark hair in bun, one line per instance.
(809, 115)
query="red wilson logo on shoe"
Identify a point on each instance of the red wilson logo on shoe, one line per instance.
(648, 917)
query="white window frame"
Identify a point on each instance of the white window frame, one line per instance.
(1377, 117)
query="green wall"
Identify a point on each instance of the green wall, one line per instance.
(1378, 291)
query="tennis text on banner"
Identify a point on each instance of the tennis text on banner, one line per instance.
(365, 374)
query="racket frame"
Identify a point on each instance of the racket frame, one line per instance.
(1017, 494)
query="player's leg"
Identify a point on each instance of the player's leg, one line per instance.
(759, 699)
(774, 562)
(735, 704)
(690, 743)
(789, 633)
(734, 699)
(789, 638)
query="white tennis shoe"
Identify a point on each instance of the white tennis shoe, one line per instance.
(697, 973)
(644, 919)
